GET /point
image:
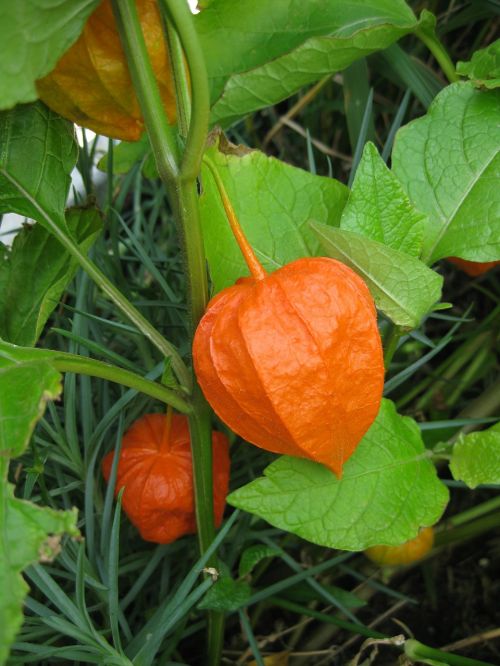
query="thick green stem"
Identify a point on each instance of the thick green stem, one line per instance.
(440, 53)
(93, 368)
(182, 191)
(182, 21)
(162, 135)
(182, 92)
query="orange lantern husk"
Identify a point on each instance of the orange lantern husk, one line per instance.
(292, 361)
(473, 268)
(155, 470)
(91, 84)
(406, 553)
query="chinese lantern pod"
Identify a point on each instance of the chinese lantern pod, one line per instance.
(406, 553)
(91, 84)
(473, 268)
(156, 472)
(293, 362)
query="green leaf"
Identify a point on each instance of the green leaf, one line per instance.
(126, 154)
(389, 489)
(273, 202)
(27, 382)
(28, 534)
(226, 595)
(483, 69)
(378, 207)
(449, 164)
(36, 272)
(259, 52)
(38, 154)
(476, 457)
(33, 36)
(253, 555)
(403, 287)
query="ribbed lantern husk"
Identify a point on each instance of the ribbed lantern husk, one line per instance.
(293, 362)
(91, 84)
(157, 475)
(473, 268)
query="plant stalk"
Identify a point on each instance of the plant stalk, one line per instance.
(94, 368)
(439, 53)
(182, 191)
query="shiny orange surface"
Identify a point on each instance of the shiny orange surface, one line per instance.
(406, 553)
(473, 268)
(156, 471)
(91, 85)
(293, 362)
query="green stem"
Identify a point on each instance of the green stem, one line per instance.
(475, 512)
(439, 52)
(162, 135)
(94, 368)
(182, 191)
(182, 20)
(109, 289)
(325, 617)
(182, 93)
(418, 651)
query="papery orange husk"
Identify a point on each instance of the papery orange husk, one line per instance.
(157, 475)
(406, 553)
(473, 268)
(91, 84)
(293, 362)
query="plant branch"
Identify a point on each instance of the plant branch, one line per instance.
(94, 368)
(183, 196)
(182, 19)
(162, 135)
(428, 36)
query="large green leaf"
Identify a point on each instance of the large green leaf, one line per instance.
(260, 52)
(449, 164)
(402, 286)
(27, 382)
(378, 207)
(35, 273)
(389, 489)
(476, 457)
(273, 202)
(33, 36)
(38, 153)
(28, 533)
(483, 69)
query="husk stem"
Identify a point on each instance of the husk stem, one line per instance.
(254, 265)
